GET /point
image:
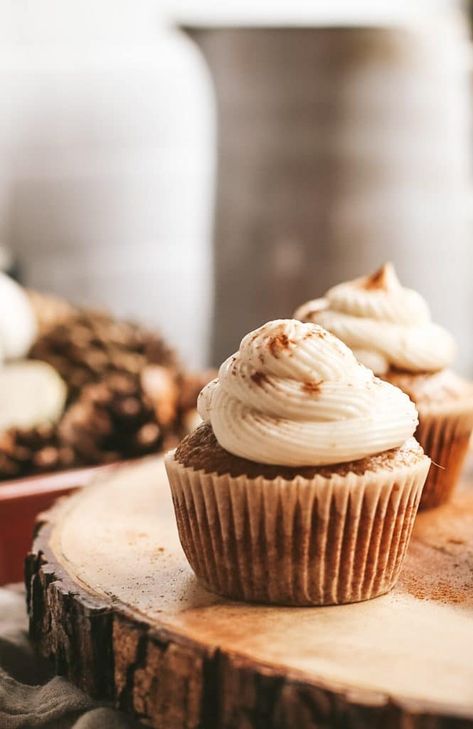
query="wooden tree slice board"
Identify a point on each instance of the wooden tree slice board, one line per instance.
(114, 602)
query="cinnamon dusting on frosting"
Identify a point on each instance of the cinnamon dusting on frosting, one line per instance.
(310, 403)
(383, 279)
(259, 378)
(277, 343)
(311, 387)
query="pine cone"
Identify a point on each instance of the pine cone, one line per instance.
(91, 345)
(28, 451)
(111, 420)
(49, 310)
(192, 384)
(161, 386)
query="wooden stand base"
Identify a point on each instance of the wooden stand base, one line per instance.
(113, 602)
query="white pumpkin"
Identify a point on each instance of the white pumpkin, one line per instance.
(18, 326)
(31, 393)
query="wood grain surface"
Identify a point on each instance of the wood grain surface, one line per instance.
(114, 603)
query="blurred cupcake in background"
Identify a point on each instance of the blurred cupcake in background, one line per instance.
(389, 329)
(302, 485)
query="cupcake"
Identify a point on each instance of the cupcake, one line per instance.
(389, 329)
(302, 484)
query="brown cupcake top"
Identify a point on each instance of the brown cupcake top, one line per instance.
(201, 451)
(433, 390)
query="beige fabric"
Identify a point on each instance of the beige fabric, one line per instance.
(30, 697)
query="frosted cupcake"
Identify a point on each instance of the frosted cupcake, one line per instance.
(302, 485)
(389, 329)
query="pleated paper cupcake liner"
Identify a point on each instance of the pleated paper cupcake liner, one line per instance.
(319, 541)
(445, 437)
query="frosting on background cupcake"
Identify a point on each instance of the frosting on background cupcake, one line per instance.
(295, 395)
(385, 324)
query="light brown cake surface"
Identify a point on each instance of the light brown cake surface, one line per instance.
(200, 450)
(433, 390)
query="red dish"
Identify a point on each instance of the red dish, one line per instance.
(21, 501)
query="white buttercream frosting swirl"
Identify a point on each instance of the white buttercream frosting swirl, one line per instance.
(295, 395)
(385, 324)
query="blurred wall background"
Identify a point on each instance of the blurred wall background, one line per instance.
(343, 140)
(106, 161)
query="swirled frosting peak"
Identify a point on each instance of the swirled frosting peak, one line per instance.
(385, 324)
(294, 395)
